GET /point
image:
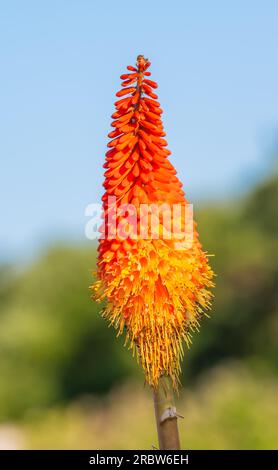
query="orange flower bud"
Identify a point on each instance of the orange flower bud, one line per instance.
(125, 91)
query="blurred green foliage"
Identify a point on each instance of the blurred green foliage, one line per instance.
(54, 345)
(244, 321)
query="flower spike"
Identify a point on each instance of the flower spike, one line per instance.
(156, 280)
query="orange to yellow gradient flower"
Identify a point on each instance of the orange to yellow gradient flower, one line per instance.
(155, 279)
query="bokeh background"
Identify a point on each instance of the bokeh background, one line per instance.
(66, 382)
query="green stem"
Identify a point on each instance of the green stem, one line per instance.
(166, 416)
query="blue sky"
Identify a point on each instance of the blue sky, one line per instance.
(217, 69)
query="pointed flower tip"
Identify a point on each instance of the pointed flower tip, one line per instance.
(142, 63)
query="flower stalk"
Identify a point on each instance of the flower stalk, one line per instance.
(166, 415)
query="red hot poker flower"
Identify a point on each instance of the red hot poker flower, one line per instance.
(155, 291)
